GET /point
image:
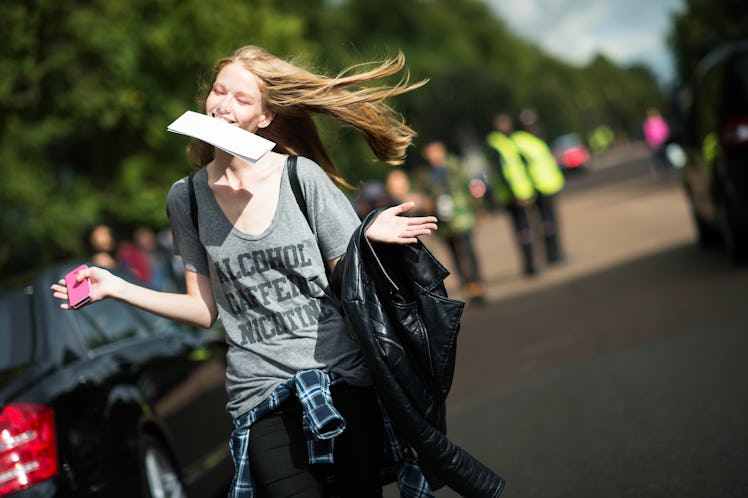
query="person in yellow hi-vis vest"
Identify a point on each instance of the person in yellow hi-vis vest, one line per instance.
(527, 177)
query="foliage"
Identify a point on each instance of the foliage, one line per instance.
(90, 86)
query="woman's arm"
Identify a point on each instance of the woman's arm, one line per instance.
(197, 307)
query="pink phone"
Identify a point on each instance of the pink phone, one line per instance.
(79, 293)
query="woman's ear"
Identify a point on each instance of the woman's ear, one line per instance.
(265, 122)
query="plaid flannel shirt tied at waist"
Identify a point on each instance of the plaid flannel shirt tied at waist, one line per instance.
(321, 424)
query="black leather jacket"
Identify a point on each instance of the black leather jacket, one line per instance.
(395, 302)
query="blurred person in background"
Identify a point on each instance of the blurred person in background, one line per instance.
(399, 190)
(448, 187)
(656, 134)
(548, 180)
(134, 260)
(601, 138)
(107, 250)
(372, 195)
(527, 178)
(101, 245)
(156, 257)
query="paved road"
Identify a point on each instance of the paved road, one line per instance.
(623, 373)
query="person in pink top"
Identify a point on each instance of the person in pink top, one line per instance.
(656, 133)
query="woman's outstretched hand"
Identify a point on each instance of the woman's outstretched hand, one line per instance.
(393, 228)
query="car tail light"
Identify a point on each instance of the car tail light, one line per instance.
(575, 157)
(735, 132)
(28, 446)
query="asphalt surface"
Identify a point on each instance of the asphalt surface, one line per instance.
(622, 373)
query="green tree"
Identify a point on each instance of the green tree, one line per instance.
(90, 89)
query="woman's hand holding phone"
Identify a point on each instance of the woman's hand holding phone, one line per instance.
(78, 291)
(81, 286)
(85, 284)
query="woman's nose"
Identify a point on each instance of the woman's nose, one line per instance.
(224, 105)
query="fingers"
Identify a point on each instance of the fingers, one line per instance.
(422, 219)
(59, 288)
(427, 226)
(410, 234)
(60, 291)
(403, 208)
(425, 223)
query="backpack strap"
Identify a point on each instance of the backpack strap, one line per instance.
(193, 202)
(293, 177)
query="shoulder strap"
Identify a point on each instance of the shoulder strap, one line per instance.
(193, 202)
(293, 177)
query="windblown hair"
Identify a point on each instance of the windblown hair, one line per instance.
(295, 95)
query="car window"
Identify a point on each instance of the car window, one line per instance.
(107, 322)
(16, 333)
(156, 325)
(736, 93)
(708, 97)
(565, 141)
(92, 336)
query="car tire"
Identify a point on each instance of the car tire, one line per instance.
(158, 473)
(707, 235)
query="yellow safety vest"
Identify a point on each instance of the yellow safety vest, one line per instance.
(542, 166)
(516, 182)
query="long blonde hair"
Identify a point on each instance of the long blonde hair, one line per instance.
(295, 95)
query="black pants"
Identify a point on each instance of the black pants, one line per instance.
(462, 249)
(522, 227)
(278, 453)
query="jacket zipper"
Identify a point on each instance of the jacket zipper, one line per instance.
(390, 341)
(428, 343)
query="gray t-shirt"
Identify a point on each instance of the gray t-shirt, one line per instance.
(271, 289)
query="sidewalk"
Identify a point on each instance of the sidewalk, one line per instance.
(588, 221)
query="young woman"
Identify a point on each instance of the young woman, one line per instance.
(259, 263)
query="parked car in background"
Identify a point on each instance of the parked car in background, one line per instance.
(570, 151)
(715, 175)
(108, 401)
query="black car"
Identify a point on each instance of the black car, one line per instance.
(715, 175)
(108, 401)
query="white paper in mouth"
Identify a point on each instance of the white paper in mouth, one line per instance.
(240, 143)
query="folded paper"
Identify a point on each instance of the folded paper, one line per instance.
(232, 139)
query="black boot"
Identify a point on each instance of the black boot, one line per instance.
(528, 260)
(553, 254)
(551, 249)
